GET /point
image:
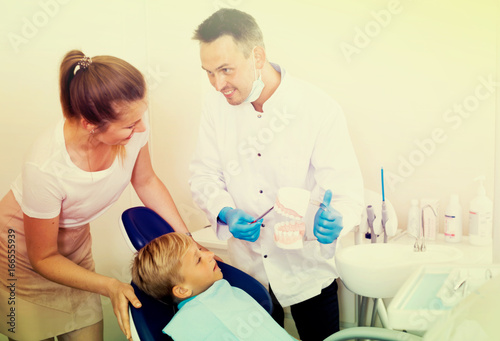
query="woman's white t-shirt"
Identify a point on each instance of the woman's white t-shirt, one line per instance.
(51, 184)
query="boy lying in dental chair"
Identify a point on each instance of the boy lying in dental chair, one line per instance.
(172, 269)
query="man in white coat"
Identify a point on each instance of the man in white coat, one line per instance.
(263, 130)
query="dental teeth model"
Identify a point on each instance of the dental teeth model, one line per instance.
(291, 204)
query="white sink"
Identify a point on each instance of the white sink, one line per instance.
(379, 270)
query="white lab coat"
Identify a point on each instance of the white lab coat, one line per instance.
(243, 157)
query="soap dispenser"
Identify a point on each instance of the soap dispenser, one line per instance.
(481, 217)
(453, 220)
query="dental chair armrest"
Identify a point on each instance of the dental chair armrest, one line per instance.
(372, 333)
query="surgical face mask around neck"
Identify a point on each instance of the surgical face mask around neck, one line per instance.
(257, 86)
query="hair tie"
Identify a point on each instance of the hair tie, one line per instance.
(82, 64)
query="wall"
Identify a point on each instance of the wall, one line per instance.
(416, 80)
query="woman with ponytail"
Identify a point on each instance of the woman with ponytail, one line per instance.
(75, 172)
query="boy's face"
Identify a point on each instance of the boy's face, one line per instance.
(199, 269)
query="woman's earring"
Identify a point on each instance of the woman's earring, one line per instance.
(92, 132)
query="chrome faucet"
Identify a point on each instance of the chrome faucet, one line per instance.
(420, 239)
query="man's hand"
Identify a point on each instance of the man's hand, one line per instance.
(239, 224)
(327, 221)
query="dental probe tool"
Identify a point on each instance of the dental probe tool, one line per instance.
(262, 216)
(319, 204)
(384, 208)
(370, 217)
(382, 176)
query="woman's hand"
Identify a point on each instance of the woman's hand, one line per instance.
(121, 294)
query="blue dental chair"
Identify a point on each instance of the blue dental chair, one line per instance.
(141, 225)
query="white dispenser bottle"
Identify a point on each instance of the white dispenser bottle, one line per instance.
(453, 220)
(413, 227)
(481, 217)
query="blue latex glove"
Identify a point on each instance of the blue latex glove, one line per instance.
(239, 224)
(327, 221)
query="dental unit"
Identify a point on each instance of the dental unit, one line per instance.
(378, 217)
(371, 216)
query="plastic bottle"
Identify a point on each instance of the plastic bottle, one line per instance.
(453, 220)
(413, 226)
(480, 217)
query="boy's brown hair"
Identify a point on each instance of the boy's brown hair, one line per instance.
(156, 267)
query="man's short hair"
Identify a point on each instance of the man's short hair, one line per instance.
(232, 22)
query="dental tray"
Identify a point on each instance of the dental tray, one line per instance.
(462, 281)
(433, 290)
